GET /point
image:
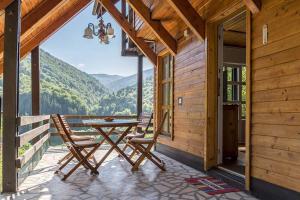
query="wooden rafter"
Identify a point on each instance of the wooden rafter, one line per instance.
(28, 43)
(34, 16)
(161, 33)
(190, 16)
(129, 30)
(5, 3)
(253, 5)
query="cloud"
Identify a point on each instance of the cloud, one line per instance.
(81, 65)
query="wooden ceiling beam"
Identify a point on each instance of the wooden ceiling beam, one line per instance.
(155, 25)
(129, 30)
(33, 17)
(190, 16)
(5, 3)
(253, 5)
(30, 42)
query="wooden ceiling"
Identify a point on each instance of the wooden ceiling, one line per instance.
(42, 18)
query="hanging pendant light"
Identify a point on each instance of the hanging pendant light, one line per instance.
(105, 32)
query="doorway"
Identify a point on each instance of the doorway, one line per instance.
(232, 95)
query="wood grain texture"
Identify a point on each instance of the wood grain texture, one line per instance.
(155, 25)
(189, 81)
(122, 21)
(190, 16)
(275, 122)
(5, 3)
(253, 5)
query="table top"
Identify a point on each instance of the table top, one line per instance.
(115, 123)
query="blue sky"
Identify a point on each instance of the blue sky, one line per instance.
(89, 55)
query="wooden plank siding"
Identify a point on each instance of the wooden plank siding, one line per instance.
(275, 135)
(189, 83)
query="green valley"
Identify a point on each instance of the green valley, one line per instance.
(67, 90)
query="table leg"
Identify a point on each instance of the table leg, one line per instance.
(114, 145)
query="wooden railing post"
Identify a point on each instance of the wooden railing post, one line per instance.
(35, 80)
(140, 86)
(10, 94)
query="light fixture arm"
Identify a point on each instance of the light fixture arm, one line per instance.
(92, 26)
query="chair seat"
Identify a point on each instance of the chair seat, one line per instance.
(134, 135)
(86, 143)
(141, 140)
(82, 138)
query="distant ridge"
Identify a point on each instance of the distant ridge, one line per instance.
(106, 79)
(124, 82)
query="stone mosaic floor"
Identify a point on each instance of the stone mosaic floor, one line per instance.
(116, 181)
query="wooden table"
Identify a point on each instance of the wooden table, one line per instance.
(99, 125)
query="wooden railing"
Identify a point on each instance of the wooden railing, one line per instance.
(40, 127)
(78, 124)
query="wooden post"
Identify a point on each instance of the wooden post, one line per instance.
(10, 94)
(140, 86)
(35, 80)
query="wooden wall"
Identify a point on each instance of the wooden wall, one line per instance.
(276, 94)
(189, 83)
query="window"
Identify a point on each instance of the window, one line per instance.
(165, 90)
(235, 86)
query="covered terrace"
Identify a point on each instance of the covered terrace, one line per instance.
(26, 24)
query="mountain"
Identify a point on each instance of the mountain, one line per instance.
(106, 79)
(67, 90)
(128, 81)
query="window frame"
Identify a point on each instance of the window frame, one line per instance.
(159, 88)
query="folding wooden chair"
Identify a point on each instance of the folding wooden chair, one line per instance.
(144, 146)
(80, 150)
(140, 131)
(76, 139)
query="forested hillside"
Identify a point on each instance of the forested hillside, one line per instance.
(67, 90)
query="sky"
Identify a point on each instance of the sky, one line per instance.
(90, 56)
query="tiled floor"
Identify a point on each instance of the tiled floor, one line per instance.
(116, 181)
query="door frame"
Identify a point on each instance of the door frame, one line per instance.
(211, 129)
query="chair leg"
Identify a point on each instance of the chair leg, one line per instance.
(64, 158)
(83, 160)
(146, 152)
(63, 165)
(133, 152)
(153, 155)
(141, 158)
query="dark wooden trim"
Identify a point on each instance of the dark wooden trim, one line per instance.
(11, 93)
(35, 80)
(139, 104)
(266, 191)
(181, 156)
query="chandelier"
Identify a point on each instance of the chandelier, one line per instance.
(104, 32)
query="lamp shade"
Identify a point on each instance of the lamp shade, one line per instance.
(88, 33)
(110, 31)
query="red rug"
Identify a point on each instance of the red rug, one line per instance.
(211, 185)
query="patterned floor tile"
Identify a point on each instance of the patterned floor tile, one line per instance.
(115, 182)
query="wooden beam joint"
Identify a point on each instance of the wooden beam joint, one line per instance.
(253, 5)
(190, 16)
(130, 31)
(155, 25)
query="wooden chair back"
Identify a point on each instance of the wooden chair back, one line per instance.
(145, 122)
(160, 126)
(62, 127)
